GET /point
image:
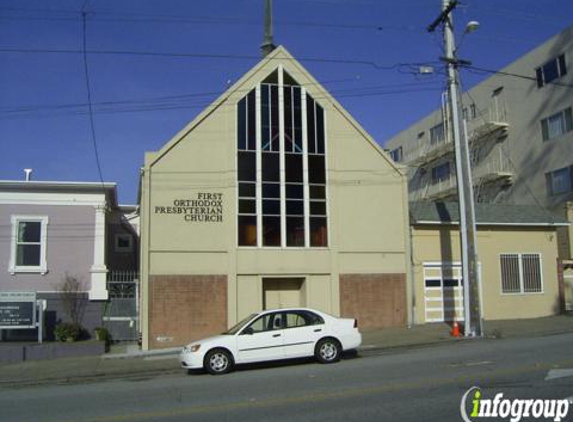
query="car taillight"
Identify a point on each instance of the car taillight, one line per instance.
(355, 323)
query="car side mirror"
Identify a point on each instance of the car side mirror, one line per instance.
(249, 331)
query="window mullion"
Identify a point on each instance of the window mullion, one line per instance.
(259, 168)
(520, 268)
(326, 178)
(282, 157)
(306, 188)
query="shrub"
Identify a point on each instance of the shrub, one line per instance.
(101, 333)
(67, 331)
(73, 299)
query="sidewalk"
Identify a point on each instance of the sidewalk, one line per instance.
(130, 362)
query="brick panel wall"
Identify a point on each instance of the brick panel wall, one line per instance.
(377, 300)
(186, 307)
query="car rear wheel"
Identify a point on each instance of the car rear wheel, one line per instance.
(218, 362)
(327, 350)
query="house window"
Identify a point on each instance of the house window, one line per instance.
(396, 155)
(282, 173)
(29, 235)
(557, 124)
(550, 71)
(521, 273)
(437, 134)
(441, 172)
(560, 181)
(123, 242)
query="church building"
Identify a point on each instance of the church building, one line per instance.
(272, 197)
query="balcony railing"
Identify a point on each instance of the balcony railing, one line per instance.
(492, 120)
(495, 168)
(427, 151)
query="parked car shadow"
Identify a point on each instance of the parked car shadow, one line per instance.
(347, 355)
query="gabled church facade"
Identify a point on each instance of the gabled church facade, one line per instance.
(272, 197)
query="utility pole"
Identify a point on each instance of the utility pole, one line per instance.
(472, 310)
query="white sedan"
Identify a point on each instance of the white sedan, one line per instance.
(273, 335)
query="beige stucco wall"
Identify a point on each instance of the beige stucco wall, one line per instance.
(434, 244)
(367, 207)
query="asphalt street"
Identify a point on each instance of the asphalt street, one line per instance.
(402, 384)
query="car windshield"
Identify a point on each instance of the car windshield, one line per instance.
(235, 329)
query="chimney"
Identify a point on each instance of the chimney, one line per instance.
(28, 174)
(267, 46)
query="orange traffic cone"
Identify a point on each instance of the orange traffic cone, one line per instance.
(455, 329)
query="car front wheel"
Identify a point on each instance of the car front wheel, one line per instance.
(218, 362)
(327, 350)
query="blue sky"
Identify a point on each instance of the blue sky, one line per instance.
(365, 52)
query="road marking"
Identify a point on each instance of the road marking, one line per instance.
(483, 362)
(558, 373)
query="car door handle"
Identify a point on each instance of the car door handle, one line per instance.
(318, 330)
(276, 335)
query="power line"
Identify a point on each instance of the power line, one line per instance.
(179, 105)
(180, 99)
(514, 75)
(71, 15)
(89, 95)
(208, 56)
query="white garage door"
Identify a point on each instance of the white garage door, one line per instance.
(443, 292)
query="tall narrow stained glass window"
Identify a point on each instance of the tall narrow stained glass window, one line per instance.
(281, 167)
(246, 169)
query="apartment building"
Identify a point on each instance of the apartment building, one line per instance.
(519, 126)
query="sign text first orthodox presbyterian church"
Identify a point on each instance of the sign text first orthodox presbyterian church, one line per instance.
(207, 207)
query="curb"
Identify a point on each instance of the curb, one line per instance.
(143, 353)
(139, 372)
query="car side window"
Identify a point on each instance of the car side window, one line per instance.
(313, 319)
(302, 319)
(267, 322)
(294, 320)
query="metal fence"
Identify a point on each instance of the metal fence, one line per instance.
(121, 316)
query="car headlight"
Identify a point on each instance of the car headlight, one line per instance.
(191, 348)
(194, 347)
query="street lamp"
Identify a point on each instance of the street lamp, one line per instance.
(471, 26)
